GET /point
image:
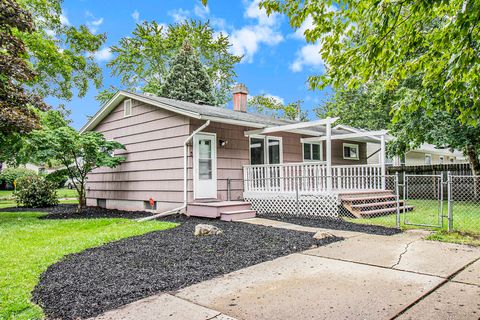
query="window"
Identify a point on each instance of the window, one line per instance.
(312, 152)
(127, 108)
(428, 159)
(442, 159)
(265, 150)
(452, 160)
(350, 151)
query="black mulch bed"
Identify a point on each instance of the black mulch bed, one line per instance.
(103, 278)
(336, 224)
(69, 211)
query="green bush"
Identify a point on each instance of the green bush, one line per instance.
(58, 178)
(8, 175)
(36, 192)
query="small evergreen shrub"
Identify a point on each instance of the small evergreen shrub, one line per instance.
(35, 191)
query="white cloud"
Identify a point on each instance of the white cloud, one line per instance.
(94, 23)
(274, 97)
(246, 40)
(136, 16)
(253, 11)
(179, 15)
(308, 55)
(201, 11)
(64, 20)
(102, 55)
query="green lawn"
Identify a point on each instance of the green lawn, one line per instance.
(466, 220)
(62, 193)
(29, 245)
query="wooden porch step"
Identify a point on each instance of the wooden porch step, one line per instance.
(237, 215)
(370, 198)
(375, 204)
(379, 212)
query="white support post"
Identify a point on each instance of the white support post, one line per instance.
(328, 152)
(382, 159)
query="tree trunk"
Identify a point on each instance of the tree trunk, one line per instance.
(81, 198)
(473, 159)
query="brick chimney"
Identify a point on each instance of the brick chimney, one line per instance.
(240, 93)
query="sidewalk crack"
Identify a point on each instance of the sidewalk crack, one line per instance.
(401, 254)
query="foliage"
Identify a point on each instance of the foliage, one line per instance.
(35, 191)
(61, 55)
(275, 108)
(17, 106)
(58, 177)
(187, 79)
(368, 107)
(143, 59)
(30, 245)
(10, 174)
(364, 41)
(78, 153)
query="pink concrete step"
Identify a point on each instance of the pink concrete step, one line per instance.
(215, 209)
(380, 212)
(237, 215)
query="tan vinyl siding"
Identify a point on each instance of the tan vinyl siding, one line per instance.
(154, 156)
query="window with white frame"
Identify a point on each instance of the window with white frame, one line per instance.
(428, 159)
(265, 150)
(351, 151)
(312, 152)
(127, 107)
(441, 159)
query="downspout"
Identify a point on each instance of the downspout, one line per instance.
(185, 178)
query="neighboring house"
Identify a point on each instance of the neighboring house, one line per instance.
(427, 154)
(30, 166)
(180, 153)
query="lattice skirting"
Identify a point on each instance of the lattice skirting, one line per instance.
(318, 205)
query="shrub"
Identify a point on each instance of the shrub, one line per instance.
(35, 191)
(8, 175)
(58, 178)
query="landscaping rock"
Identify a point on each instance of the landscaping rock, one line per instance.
(323, 235)
(206, 230)
(99, 279)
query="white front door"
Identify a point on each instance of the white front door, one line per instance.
(205, 166)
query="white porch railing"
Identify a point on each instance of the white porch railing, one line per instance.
(310, 177)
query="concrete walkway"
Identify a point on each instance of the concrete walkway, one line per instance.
(362, 277)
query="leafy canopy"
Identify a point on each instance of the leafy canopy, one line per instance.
(143, 60)
(363, 41)
(273, 107)
(79, 153)
(187, 79)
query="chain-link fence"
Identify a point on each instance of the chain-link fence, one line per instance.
(463, 207)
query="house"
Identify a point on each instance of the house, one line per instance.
(208, 160)
(426, 154)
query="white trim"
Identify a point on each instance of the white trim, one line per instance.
(425, 158)
(292, 126)
(320, 144)
(195, 164)
(347, 136)
(127, 111)
(351, 145)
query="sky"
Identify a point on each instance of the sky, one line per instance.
(277, 60)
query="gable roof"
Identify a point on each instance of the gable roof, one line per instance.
(196, 111)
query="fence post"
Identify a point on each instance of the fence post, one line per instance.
(405, 186)
(397, 193)
(296, 196)
(449, 202)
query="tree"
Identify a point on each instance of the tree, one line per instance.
(61, 55)
(273, 107)
(142, 60)
(79, 153)
(364, 41)
(188, 80)
(367, 107)
(17, 106)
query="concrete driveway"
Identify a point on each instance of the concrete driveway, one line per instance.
(362, 277)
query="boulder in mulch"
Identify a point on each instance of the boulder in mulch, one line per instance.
(207, 230)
